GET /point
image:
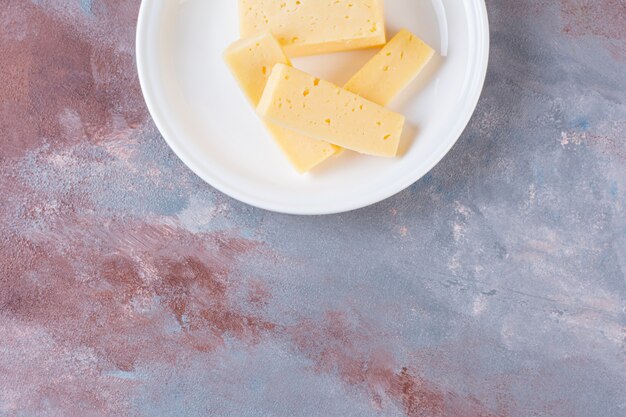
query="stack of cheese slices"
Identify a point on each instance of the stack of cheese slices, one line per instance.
(309, 118)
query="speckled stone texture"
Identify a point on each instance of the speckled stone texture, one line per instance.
(494, 286)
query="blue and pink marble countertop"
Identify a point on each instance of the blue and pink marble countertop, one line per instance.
(495, 286)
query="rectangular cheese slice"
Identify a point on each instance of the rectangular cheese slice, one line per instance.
(308, 27)
(251, 61)
(392, 69)
(319, 109)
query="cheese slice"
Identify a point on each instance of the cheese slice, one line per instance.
(319, 109)
(308, 27)
(392, 69)
(251, 61)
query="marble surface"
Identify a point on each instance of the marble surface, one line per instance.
(494, 286)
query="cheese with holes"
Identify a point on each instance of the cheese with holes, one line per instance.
(308, 27)
(392, 69)
(251, 61)
(319, 109)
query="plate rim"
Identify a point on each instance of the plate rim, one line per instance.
(404, 182)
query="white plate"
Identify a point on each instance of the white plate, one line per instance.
(205, 119)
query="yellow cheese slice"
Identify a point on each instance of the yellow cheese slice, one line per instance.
(251, 61)
(308, 27)
(392, 69)
(319, 109)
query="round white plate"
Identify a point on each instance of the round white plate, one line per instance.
(205, 119)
